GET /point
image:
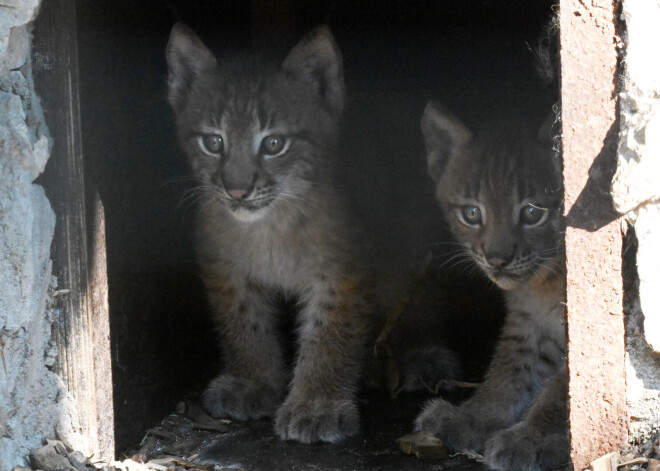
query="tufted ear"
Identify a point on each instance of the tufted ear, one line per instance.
(187, 58)
(316, 59)
(444, 136)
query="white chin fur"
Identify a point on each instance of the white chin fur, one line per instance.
(505, 283)
(245, 215)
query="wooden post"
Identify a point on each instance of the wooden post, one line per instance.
(81, 331)
(595, 330)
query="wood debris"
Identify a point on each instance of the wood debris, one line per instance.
(423, 445)
(173, 445)
(643, 456)
(607, 462)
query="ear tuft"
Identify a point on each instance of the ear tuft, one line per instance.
(444, 136)
(316, 59)
(187, 58)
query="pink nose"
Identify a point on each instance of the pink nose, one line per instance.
(497, 262)
(237, 194)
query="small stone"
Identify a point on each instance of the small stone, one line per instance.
(180, 408)
(47, 458)
(78, 459)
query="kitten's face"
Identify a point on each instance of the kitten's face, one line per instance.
(501, 194)
(257, 137)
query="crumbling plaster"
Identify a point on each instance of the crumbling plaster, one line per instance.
(636, 193)
(33, 401)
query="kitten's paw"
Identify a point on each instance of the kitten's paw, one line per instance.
(521, 449)
(458, 428)
(240, 398)
(317, 420)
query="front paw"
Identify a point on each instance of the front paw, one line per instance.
(458, 428)
(318, 420)
(521, 449)
(240, 398)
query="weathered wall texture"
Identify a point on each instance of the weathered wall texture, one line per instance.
(636, 192)
(32, 401)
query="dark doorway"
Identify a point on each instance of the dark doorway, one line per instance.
(474, 56)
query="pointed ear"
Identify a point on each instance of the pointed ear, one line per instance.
(316, 59)
(187, 58)
(444, 136)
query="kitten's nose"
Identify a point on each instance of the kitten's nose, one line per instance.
(497, 262)
(499, 257)
(237, 194)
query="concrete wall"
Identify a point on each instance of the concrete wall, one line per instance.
(636, 192)
(33, 403)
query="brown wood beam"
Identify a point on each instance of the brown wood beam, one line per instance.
(595, 331)
(81, 330)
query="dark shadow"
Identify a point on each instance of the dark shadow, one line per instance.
(594, 207)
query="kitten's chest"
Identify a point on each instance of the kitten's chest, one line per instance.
(544, 302)
(284, 255)
(278, 259)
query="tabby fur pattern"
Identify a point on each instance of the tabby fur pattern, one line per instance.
(500, 190)
(261, 142)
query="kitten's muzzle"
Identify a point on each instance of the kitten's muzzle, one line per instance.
(240, 190)
(499, 259)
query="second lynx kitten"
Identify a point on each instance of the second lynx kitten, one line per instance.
(261, 142)
(500, 190)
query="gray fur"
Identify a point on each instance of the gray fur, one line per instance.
(274, 224)
(517, 417)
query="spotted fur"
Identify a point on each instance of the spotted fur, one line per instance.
(501, 193)
(261, 139)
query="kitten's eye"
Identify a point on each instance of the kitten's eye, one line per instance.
(273, 145)
(211, 144)
(471, 215)
(531, 215)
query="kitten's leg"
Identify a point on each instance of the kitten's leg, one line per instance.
(540, 440)
(321, 405)
(253, 380)
(523, 359)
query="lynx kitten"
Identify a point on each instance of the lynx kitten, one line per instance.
(261, 141)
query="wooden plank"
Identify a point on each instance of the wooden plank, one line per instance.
(595, 331)
(84, 367)
(100, 326)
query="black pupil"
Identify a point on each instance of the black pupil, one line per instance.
(531, 214)
(472, 214)
(273, 144)
(213, 143)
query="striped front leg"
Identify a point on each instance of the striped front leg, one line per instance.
(321, 405)
(253, 380)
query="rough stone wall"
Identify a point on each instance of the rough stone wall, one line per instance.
(33, 403)
(636, 192)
